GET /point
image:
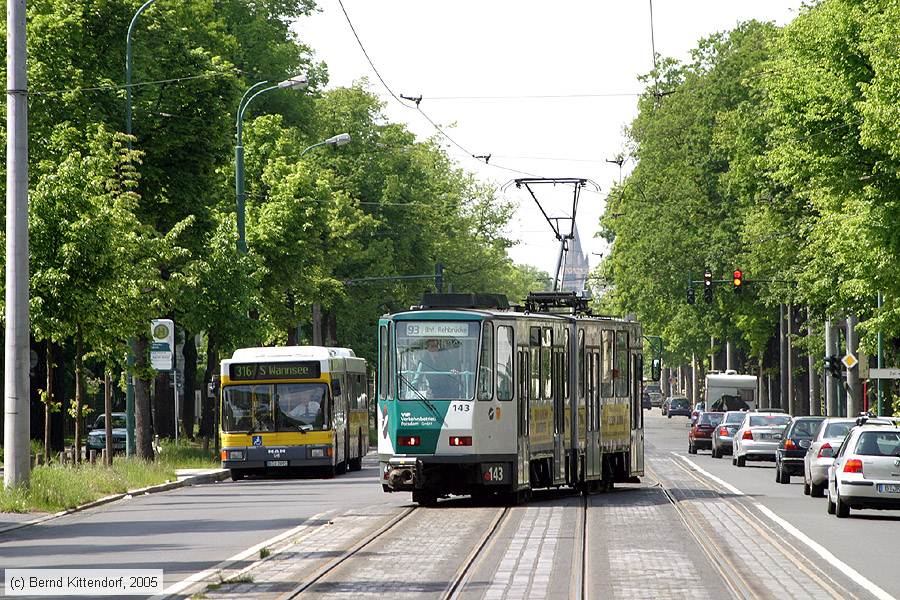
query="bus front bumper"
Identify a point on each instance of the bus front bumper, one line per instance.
(261, 457)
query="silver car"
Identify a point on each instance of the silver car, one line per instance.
(723, 436)
(820, 454)
(866, 471)
(758, 437)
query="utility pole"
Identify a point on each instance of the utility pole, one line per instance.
(854, 387)
(17, 407)
(880, 365)
(694, 379)
(782, 359)
(712, 353)
(815, 405)
(789, 329)
(729, 355)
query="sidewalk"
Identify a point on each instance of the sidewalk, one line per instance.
(184, 478)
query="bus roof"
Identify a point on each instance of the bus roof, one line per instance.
(288, 353)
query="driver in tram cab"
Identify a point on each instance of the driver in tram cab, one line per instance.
(439, 370)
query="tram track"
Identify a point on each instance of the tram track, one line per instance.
(457, 585)
(578, 590)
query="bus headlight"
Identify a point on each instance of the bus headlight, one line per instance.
(317, 453)
(235, 455)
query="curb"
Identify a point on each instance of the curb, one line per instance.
(213, 477)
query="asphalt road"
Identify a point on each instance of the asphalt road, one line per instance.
(188, 530)
(868, 541)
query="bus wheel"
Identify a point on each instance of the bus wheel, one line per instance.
(237, 474)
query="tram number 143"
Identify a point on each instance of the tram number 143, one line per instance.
(495, 473)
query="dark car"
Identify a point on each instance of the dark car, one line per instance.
(96, 437)
(794, 443)
(678, 405)
(645, 402)
(700, 435)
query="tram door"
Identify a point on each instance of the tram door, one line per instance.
(522, 421)
(637, 415)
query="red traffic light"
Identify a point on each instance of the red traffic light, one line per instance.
(738, 278)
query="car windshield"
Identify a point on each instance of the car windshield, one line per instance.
(281, 407)
(878, 443)
(837, 430)
(769, 420)
(805, 428)
(118, 422)
(678, 403)
(711, 418)
(734, 418)
(436, 359)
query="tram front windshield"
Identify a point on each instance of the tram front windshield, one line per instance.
(436, 360)
(258, 408)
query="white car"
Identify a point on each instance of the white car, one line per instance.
(866, 471)
(820, 454)
(758, 436)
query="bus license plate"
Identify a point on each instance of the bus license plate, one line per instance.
(276, 463)
(495, 473)
(889, 488)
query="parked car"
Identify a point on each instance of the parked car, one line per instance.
(866, 471)
(698, 408)
(723, 437)
(820, 454)
(792, 448)
(678, 405)
(700, 435)
(96, 437)
(758, 437)
(645, 402)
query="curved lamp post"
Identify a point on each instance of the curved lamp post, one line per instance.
(298, 82)
(334, 141)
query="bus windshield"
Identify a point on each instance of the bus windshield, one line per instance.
(281, 407)
(437, 359)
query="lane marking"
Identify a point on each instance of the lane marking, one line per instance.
(816, 547)
(180, 586)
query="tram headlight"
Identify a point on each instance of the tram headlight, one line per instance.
(235, 455)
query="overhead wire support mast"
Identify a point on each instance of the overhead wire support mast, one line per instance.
(578, 184)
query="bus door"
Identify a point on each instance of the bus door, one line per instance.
(637, 415)
(522, 417)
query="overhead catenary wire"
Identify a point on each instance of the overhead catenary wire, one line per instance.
(122, 86)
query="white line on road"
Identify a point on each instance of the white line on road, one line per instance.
(823, 552)
(176, 588)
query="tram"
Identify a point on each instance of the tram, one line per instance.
(476, 397)
(295, 406)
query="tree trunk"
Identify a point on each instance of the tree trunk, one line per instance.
(815, 404)
(107, 410)
(79, 387)
(188, 415)
(48, 405)
(317, 329)
(208, 403)
(331, 328)
(143, 425)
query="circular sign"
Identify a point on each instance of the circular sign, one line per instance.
(161, 331)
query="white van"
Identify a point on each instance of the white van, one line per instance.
(730, 391)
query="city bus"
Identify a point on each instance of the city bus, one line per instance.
(295, 406)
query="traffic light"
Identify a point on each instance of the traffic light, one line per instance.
(707, 287)
(833, 366)
(738, 281)
(691, 298)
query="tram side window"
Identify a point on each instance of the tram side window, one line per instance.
(606, 368)
(505, 347)
(595, 386)
(591, 379)
(486, 364)
(534, 343)
(384, 363)
(547, 363)
(622, 363)
(565, 383)
(581, 363)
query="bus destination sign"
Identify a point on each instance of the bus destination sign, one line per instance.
(274, 370)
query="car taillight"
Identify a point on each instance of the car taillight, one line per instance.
(723, 431)
(825, 451)
(409, 440)
(789, 444)
(854, 465)
(748, 435)
(464, 440)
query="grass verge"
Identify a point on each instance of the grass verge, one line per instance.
(53, 488)
(188, 455)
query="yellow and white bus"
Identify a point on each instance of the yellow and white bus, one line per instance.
(295, 406)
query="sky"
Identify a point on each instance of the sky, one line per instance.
(478, 64)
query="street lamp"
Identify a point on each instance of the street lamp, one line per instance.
(298, 82)
(335, 141)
